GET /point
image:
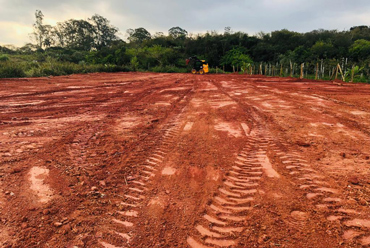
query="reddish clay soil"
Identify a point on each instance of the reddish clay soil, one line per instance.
(181, 160)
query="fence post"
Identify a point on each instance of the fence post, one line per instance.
(302, 75)
(281, 70)
(341, 72)
(334, 74)
(269, 69)
(291, 69)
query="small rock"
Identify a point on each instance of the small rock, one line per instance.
(167, 191)
(15, 170)
(102, 183)
(24, 225)
(58, 224)
(7, 192)
(93, 188)
(46, 211)
(342, 154)
(302, 143)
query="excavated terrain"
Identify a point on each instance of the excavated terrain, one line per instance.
(180, 160)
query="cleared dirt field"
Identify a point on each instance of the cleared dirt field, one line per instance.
(180, 160)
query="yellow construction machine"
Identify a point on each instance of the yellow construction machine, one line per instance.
(198, 66)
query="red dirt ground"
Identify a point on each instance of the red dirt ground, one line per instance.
(181, 160)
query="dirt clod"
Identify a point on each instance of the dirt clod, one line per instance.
(354, 180)
(58, 224)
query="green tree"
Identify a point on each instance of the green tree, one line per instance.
(42, 34)
(104, 32)
(138, 35)
(177, 33)
(360, 50)
(360, 33)
(159, 53)
(76, 34)
(236, 57)
(300, 55)
(28, 48)
(134, 63)
(323, 50)
(284, 40)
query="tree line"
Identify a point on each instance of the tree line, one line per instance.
(95, 41)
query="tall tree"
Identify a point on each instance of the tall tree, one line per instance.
(138, 35)
(360, 50)
(104, 32)
(42, 34)
(77, 34)
(177, 32)
(159, 53)
(236, 57)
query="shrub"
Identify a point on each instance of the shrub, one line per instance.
(168, 69)
(11, 70)
(213, 70)
(4, 57)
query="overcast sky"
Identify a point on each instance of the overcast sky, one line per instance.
(249, 16)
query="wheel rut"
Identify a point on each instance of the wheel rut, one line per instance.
(177, 160)
(120, 230)
(326, 199)
(226, 216)
(314, 185)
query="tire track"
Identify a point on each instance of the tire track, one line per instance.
(317, 190)
(121, 231)
(324, 197)
(225, 216)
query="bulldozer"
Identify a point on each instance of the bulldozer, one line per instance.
(198, 66)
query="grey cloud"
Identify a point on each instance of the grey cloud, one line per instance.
(249, 16)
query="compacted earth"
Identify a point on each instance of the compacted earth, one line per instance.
(180, 160)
